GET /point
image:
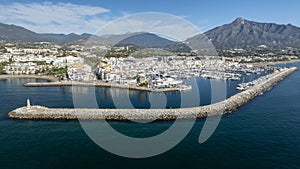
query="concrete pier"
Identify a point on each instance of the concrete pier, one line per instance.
(226, 106)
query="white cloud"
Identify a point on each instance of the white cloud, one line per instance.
(166, 25)
(54, 17)
(67, 18)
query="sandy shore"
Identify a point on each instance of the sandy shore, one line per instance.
(50, 78)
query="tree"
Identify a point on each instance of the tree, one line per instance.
(10, 59)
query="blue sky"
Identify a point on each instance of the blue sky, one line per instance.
(61, 16)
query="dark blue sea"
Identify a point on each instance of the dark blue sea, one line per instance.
(265, 133)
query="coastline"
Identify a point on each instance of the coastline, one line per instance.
(50, 78)
(227, 106)
(275, 63)
(103, 84)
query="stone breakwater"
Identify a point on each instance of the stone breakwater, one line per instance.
(226, 106)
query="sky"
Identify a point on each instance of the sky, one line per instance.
(88, 16)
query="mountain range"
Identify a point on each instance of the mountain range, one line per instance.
(241, 33)
(17, 34)
(150, 40)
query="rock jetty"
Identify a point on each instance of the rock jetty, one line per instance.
(226, 106)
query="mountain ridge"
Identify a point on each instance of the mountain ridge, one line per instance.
(18, 34)
(240, 33)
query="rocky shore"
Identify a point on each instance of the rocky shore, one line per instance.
(226, 106)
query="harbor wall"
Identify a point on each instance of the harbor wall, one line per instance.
(226, 106)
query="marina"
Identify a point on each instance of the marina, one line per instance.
(156, 74)
(112, 85)
(223, 107)
(172, 68)
(245, 86)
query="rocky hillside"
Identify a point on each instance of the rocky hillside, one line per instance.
(242, 33)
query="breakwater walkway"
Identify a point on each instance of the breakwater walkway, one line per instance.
(226, 106)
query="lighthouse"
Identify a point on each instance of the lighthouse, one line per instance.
(28, 104)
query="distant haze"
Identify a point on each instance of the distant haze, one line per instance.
(241, 33)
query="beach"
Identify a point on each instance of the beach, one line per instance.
(50, 78)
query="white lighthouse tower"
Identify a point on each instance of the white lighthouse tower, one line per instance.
(28, 104)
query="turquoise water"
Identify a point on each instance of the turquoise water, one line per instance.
(265, 133)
